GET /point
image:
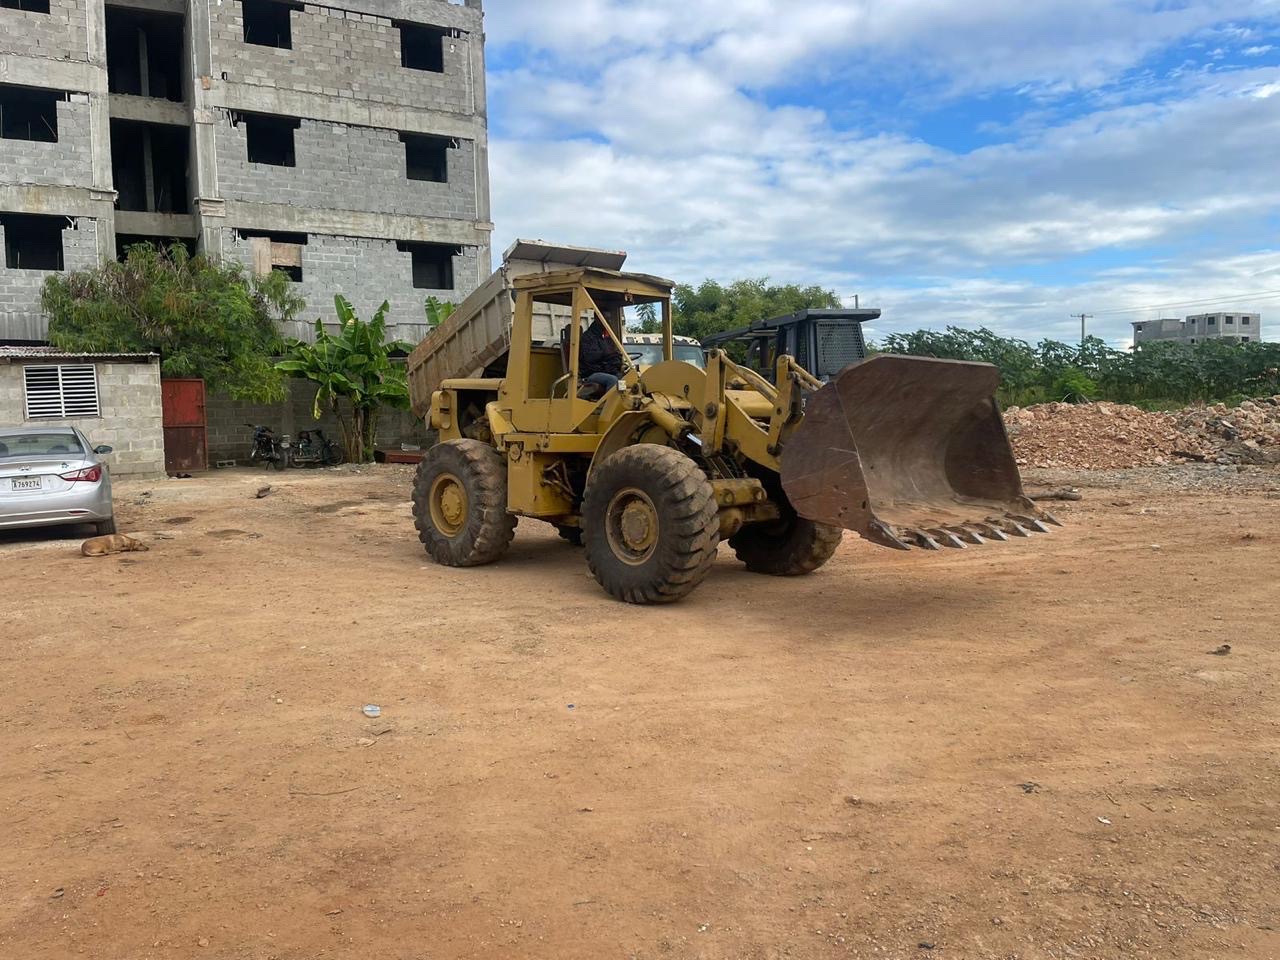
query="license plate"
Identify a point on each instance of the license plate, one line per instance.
(28, 483)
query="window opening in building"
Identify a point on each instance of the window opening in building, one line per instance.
(1231, 320)
(270, 251)
(144, 54)
(32, 242)
(1244, 321)
(126, 241)
(1244, 339)
(269, 24)
(1213, 321)
(60, 391)
(149, 166)
(421, 47)
(270, 139)
(31, 6)
(1137, 327)
(29, 114)
(426, 157)
(1193, 339)
(432, 264)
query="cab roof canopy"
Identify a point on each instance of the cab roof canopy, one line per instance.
(610, 289)
(765, 328)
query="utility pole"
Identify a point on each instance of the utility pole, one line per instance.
(1082, 318)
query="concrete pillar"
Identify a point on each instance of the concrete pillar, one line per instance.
(100, 131)
(207, 205)
(480, 104)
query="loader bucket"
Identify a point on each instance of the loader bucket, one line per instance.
(909, 452)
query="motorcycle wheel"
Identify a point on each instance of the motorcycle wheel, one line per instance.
(334, 456)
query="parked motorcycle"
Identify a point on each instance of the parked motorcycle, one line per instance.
(314, 449)
(268, 448)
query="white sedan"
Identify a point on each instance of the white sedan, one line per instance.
(49, 476)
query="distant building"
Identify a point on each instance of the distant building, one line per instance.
(1240, 327)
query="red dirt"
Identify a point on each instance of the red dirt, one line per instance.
(1024, 750)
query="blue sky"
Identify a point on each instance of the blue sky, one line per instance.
(976, 162)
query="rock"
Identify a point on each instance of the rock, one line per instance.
(1106, 436)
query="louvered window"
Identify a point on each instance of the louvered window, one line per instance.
(62, 391)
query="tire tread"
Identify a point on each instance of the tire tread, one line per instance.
(490, 528)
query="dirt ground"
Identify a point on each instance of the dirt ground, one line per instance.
(1024, 750)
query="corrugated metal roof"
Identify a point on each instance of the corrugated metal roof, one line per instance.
(11, 354)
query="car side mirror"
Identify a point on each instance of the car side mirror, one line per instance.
(104, 449)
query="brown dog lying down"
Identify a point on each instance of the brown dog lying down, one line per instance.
(116, 543)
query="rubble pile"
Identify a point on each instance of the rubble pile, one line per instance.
(1108, 436)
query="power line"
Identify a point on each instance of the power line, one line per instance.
(1263, 295)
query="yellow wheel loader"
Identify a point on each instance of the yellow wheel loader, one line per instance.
(651, 476)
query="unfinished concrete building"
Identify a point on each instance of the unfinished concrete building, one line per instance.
(344, 143)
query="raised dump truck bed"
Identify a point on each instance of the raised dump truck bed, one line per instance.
(478, 334)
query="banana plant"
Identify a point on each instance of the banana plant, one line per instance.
(438, 311)
(355, 376)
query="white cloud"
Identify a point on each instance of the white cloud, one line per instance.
(646, 127)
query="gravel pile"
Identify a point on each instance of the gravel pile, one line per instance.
(1110, 436)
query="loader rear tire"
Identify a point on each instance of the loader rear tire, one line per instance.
(790, 547)
(650, 524)
(460, 504)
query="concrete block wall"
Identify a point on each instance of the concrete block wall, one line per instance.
(20, 315)
(68, 162)
(366, 272)
(230, 439)
(131, 420)
(60, 34)
(348, 168)
(345, 54)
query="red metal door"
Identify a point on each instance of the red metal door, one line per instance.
(186, 447)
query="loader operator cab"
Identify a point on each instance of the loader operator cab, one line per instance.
(824, 342)
(554, 311)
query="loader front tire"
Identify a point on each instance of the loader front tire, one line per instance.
(650, 524)
(460, 504)
(790, 547)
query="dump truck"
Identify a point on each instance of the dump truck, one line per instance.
(651, 476)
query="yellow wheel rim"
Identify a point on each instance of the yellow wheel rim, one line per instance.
(448, 505)
(631, 525)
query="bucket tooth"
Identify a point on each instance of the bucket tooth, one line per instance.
(1031, 522)
(1017, 529)
(923, 539)
(947, 538)
(968, 535)
(993, 532)
(1050, 518)
(885, 535)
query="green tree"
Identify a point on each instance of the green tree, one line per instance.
(354, 375)
(1160, 373)
(205, 320)
(438, 311)
(713, 308)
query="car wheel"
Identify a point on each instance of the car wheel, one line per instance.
(105, 527)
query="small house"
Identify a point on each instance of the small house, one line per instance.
(114, 399)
